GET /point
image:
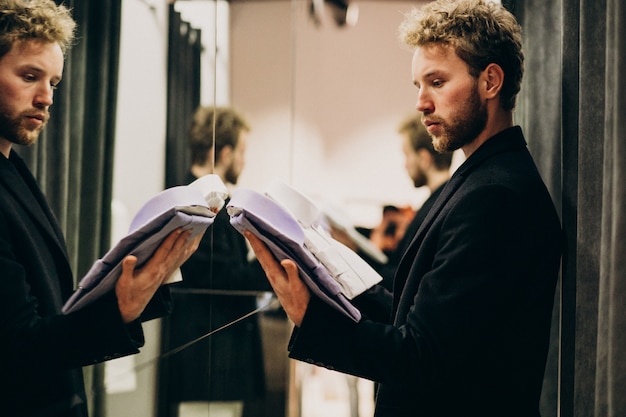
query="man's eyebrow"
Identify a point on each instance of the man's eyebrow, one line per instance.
(433, 73)
(429, 75)
(33, 68)
(30, 67)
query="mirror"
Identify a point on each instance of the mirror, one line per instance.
(325, 99)
(324, 102)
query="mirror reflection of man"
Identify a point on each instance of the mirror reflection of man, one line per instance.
(224, 373)
(43, 350)
(426, 167)
(227, 157)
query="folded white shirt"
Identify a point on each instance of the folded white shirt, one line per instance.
(292, 228)
(353, 274)
(284, 237)
(339, 220)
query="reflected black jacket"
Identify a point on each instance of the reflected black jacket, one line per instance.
(42, 351)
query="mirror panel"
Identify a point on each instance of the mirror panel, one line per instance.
(325, 102)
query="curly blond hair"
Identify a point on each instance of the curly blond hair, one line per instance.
(480, 32)
(42, 20)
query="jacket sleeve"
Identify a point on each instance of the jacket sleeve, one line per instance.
(34, 340)
(471, 276)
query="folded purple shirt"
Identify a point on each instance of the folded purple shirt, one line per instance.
(175, 207)
(283, 235)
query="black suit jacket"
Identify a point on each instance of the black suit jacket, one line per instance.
(388, 270)
(219, 285)
(42, 350)
(466, 331)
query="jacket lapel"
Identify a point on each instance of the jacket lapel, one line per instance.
(504, 141)
(23, 187)
(408, 257)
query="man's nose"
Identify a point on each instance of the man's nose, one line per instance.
(44, 96)
(424, 103)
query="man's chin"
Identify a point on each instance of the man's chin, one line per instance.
(443, 144)
(27, 138)
(440, 144)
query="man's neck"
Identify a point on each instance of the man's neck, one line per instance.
(201, 170)
(5, 147)
(496, 123)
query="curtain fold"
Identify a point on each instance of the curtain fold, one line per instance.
(183, 94)
(73, 158)
(611, 346)
(573, 91)
(183, 97)
(538, 111)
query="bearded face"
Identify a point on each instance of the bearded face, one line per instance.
(29, 74)
(23, 128)
(463, 126)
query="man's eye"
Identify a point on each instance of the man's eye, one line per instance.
(30, 77)
(437, 83)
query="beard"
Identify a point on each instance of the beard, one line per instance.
(468, 122)
(14, 130)
(419, 179)
(231, 175)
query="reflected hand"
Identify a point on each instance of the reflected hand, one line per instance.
(292, 293)
(136, 287)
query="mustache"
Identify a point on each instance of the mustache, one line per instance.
(43, 115)
(431, 119)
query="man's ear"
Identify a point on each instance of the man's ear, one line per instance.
(425, 159)
(493, 79)
(225, 155)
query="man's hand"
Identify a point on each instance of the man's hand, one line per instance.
(136, 287)
(292, 293)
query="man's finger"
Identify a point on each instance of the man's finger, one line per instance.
(128, 264)
(263, 254)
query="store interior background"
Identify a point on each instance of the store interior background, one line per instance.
(324, 102)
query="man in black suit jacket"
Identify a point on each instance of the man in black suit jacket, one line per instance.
(42, 350)
(220, 285)
(465, 331)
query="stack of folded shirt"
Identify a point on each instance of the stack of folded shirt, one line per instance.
(192, 206)
(292, 227)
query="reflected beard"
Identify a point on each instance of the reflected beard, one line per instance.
(231, 175)
(468, 123)
(419, 179)
(13, 130)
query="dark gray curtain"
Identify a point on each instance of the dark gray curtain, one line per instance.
(73, 158)
(183, 95)
(539, 113)
(572, 106)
